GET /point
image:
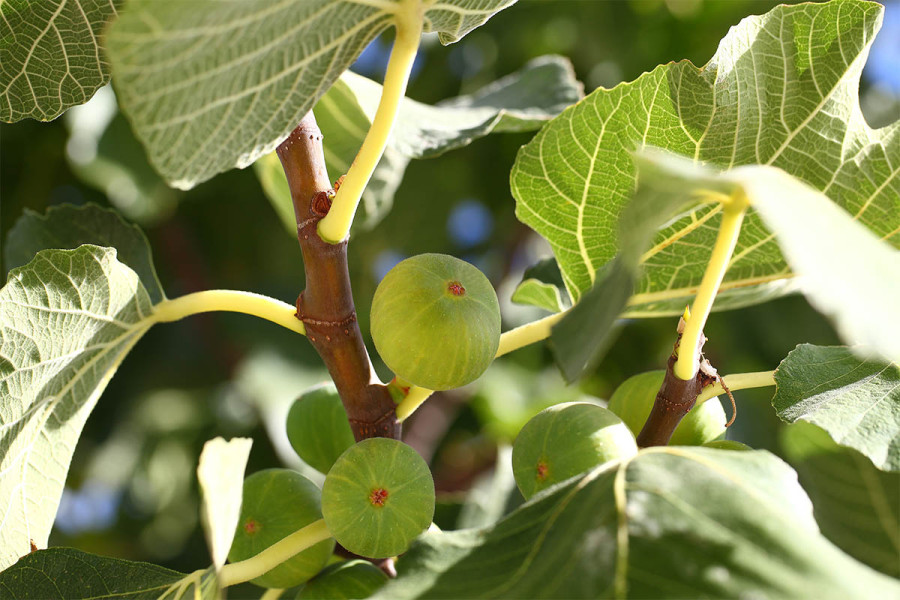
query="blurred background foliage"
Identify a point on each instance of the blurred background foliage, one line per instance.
(132, 491)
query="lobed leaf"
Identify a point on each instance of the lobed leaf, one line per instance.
(856, 401)
(781, 90)
(670, 523)
(67, 320)
(51, 56)
(210, 85)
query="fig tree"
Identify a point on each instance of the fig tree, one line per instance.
(567, 439)
(436, 321)
(278, 502)
(346, 580)
(378, 497)
(634, 399)
(317, 427)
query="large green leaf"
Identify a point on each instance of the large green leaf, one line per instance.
(50, 55)
(212, 85)
(856, 401)
(521, 101)
(67, 226)
(781, 90)
(670, 523)
(67, 319)
(70, 574)
(856, 505)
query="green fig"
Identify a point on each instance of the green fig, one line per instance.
(317, 427)
(276, 503)
(436, 321)
(634, 399)
(567, 439)
(378, 497)
(348, 580)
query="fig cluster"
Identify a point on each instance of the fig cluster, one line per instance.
(435, 321)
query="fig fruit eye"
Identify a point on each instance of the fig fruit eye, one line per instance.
(378, 497)
(317, 427)
(565, 440)
(436, 321)
(349, 579)
(278, 502)
(634, 398)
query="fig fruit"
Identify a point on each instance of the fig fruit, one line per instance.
(378, 497)
(436, 321)
(346, 580)
(567, 439)
(278, 502)
(317, 427)
(634, 399)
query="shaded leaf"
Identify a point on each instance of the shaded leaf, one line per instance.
(670, 523)
(781, 90)
(50, 55)
(209, 86)
(67, 226)
(221, 477)
(856, 505)
(490, 494)
(67, 320)
(542, 286)
(70, 574)
(856, 401)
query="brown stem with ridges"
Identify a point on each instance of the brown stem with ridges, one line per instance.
(675, 399)
(326, 304)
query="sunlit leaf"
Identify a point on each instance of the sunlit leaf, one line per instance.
(221, 477)
(856, 401)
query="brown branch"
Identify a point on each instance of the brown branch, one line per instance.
(326, 305)
(675, 399)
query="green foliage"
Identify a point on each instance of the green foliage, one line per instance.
(634, 398)
(378, 497)
(317, 427)
(856, 401)
(344, 581)
(436, 321)
(521, 101)
(51, 56)
(67, 319)
(856, 506)
(771, 95)
(220, 474)
(199, 71)
(565, 440)
(668, 523)
(70, 574)
(278, 502)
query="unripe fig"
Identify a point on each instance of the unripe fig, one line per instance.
(348, 580)
(436, 321)
(278, 502)
(634, 399)
(727, 445)
(565, 440)
(317, 427)
(378, 497)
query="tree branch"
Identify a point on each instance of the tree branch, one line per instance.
(326, 306)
